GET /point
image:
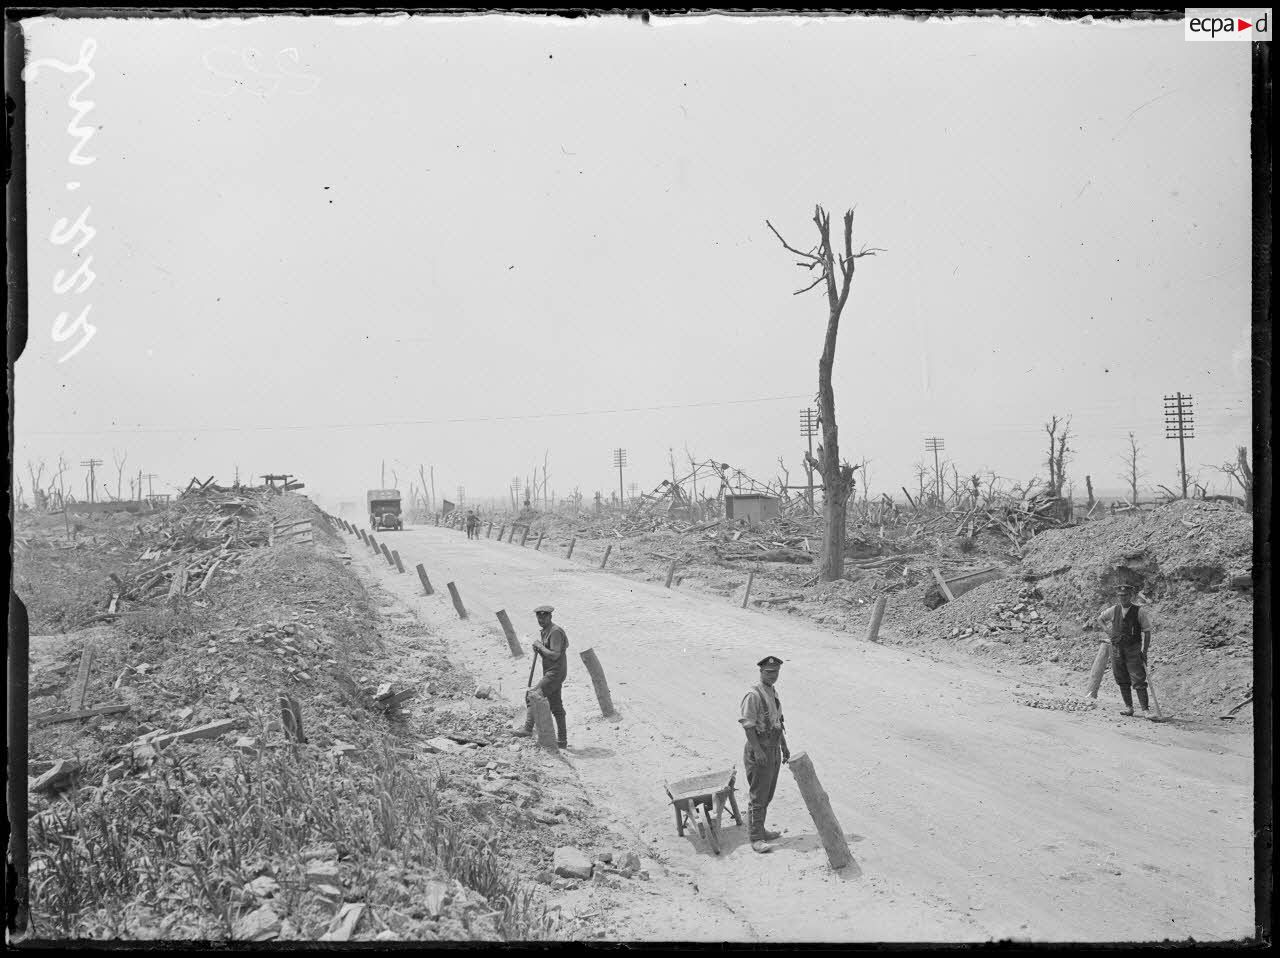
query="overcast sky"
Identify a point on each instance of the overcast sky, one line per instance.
(467, 242)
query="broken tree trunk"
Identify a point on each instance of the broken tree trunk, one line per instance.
(572, 542)
(607, 550)
(594, 669)
(426, 583)
(543, 721)
(457, 600)
(819, 805)
(1100, 662)
(513, 641)
(873, 633)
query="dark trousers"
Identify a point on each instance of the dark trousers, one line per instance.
(550, 689)
(762, 779)
(1129, 668)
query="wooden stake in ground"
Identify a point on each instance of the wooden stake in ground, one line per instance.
(81, 687)
(1100, 662)
(363, 537)
(373, 544)
(819, 805)
(501, 529)
(396, 556)
(488, 529)
(594, 669)
(572, 542)
(426, 583)
(386, 554)
(543, 721)
(751, 578)
(873, 633)
(512, 534)
(457, 600)
(538, 545)
(607, 550)
(525, 537)
(509, 631)
(671, 573)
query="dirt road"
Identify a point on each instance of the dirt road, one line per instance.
(970, 817)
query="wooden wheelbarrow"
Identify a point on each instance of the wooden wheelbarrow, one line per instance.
(699, 802)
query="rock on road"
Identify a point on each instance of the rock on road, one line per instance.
(970, 817)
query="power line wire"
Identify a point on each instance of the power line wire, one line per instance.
(415, 422)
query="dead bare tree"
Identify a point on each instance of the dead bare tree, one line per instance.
(835, 271)
(1132, 473)
(1241, 472)
(546, 459)
(1059, 453)
(119, 461)
(921, 473)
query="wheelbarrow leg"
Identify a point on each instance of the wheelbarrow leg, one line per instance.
(713, 836)
(733, 807)
(679, 819)
(717, 807)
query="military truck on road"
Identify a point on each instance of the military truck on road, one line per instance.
(384, 509)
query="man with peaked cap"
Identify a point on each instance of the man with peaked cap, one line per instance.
(766, 749)
(1129, 625)
(553, 648)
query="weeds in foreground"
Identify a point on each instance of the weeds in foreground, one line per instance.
(186, 842)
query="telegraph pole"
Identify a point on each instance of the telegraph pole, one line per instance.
(462, 494)
(148, 476)
(515, 488)
(1179, 423)
(934, 444)
(809, 428)
(92, 464)
(620, 460)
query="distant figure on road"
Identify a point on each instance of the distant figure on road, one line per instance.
(1129, 626)
(766, 748)
(555, 667)
(472, 521)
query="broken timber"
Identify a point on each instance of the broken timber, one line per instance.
(50, 718)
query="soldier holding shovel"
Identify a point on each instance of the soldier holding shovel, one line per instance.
(555, 668)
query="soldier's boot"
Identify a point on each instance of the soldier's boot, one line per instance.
(1142, 701)
(756, 833)
(1128, 700)
(767, 834)
(562, 735)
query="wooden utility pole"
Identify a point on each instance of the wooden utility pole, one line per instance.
(1179, 424)
(93, 463)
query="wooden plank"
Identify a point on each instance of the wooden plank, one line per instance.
(81, 686)
(208, 730)
(50, 718)
(942, 584)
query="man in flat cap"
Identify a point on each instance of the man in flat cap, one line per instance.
(766, 748)
(553, 648)
(1129, 626)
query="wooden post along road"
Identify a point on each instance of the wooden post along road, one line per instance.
(426, 583)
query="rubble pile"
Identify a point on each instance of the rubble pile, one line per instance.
(202, 534)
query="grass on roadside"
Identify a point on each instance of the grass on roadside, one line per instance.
(170, 857)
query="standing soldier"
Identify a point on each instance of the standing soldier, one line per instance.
(555, 667)
(472, 520)
(766, 748)
(1129, 626)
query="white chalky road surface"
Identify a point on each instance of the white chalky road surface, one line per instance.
(970, 817)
